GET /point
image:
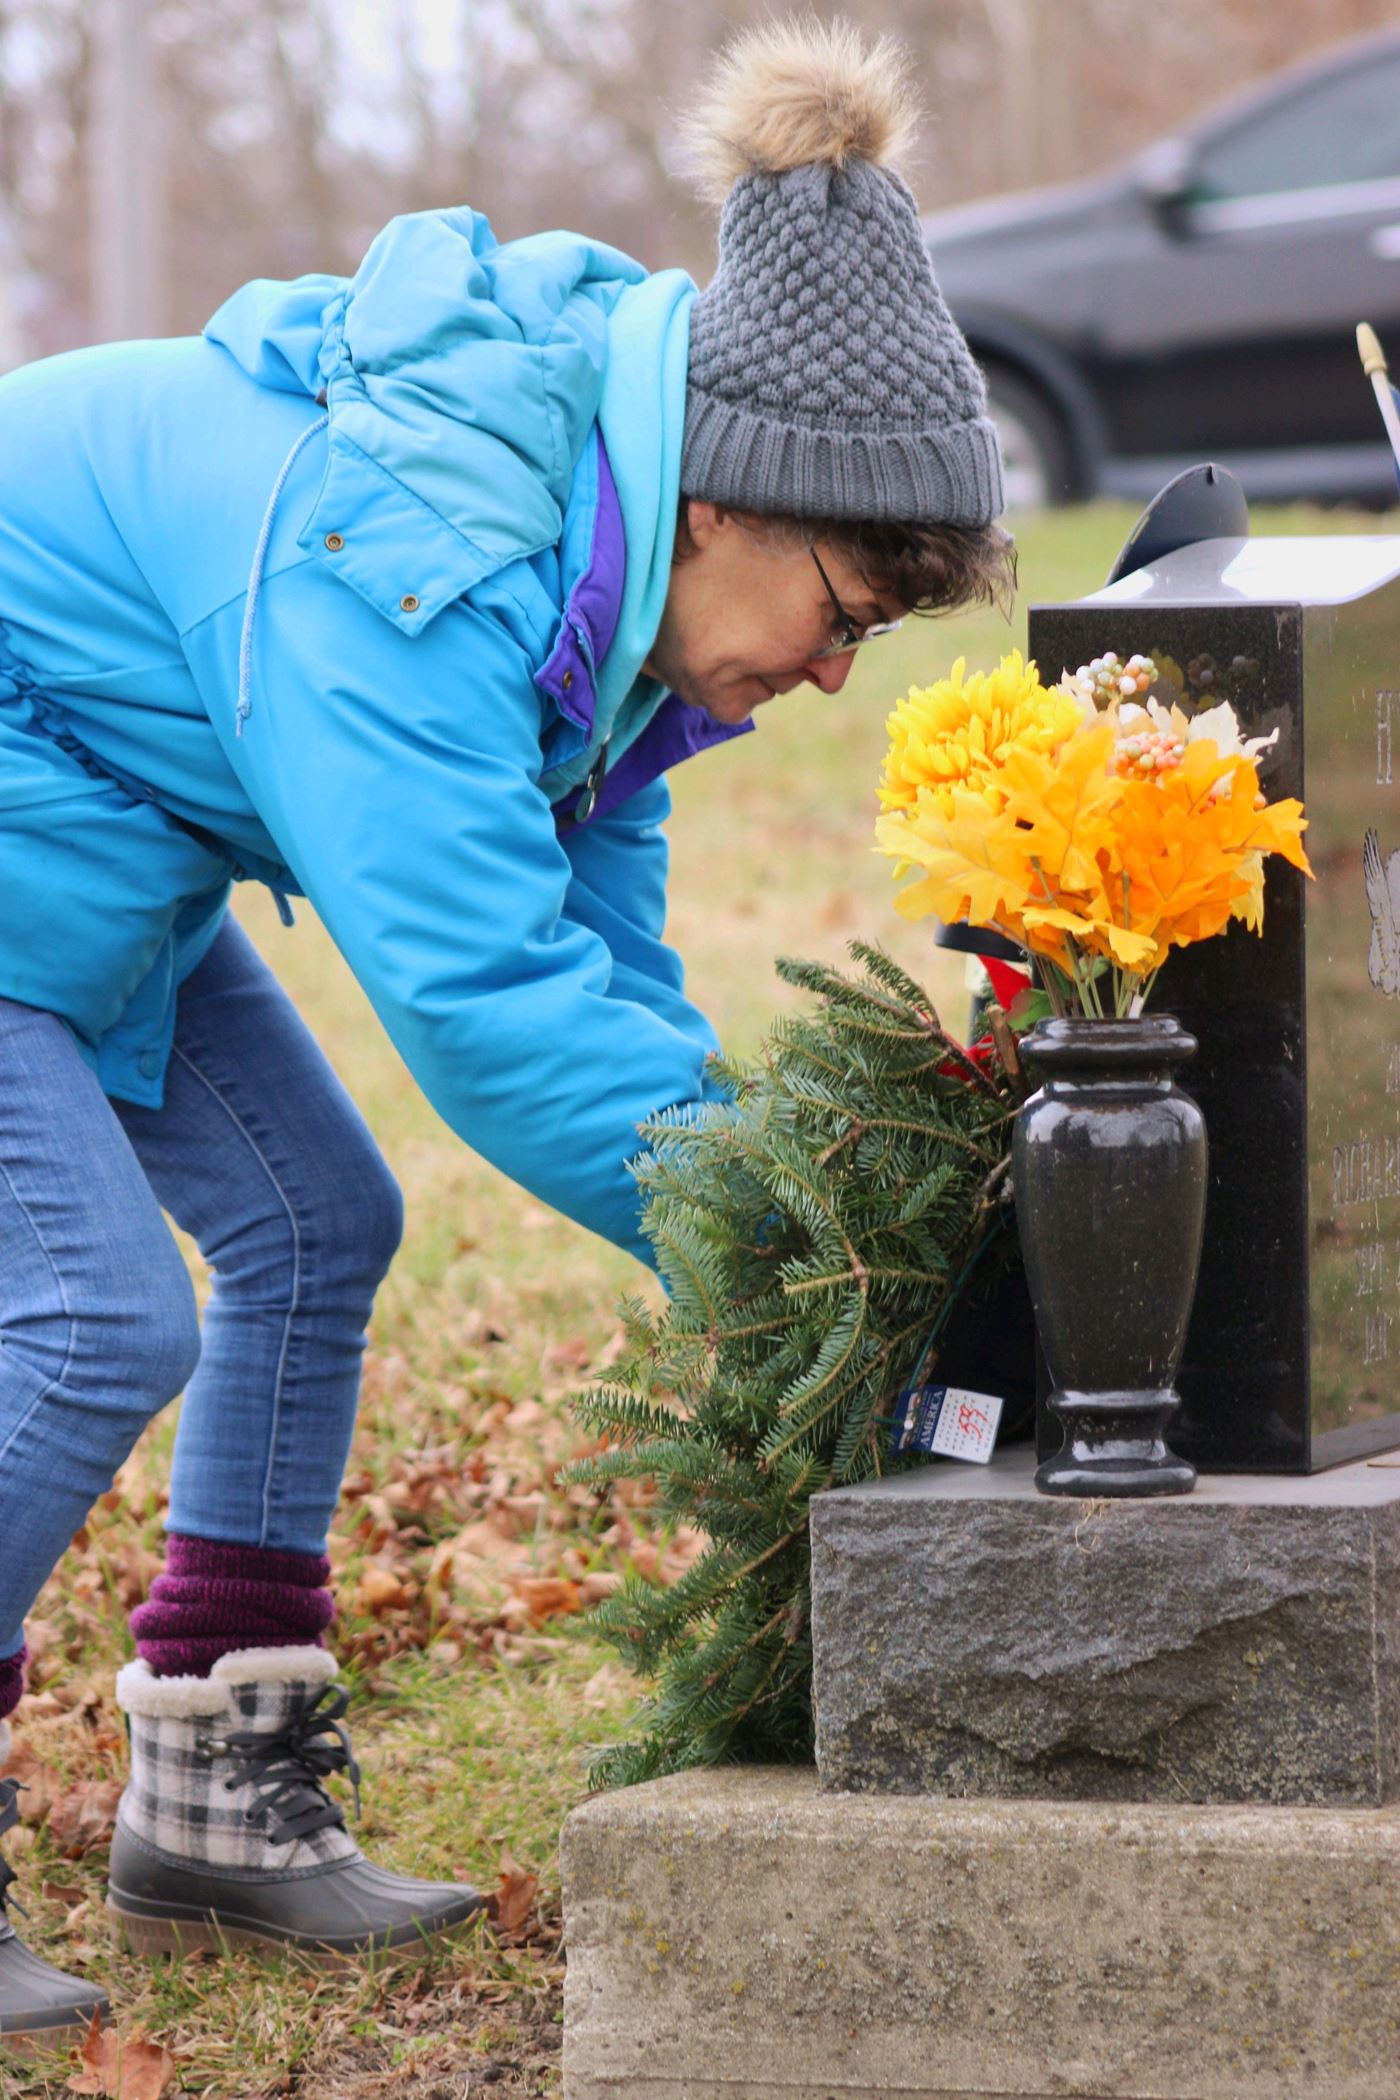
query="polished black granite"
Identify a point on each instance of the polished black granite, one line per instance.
(1293, 1357)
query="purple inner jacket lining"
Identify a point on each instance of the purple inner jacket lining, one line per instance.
(591, 610)
(596, 599)
(675, 731)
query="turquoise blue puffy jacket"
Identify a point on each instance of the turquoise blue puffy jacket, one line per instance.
(351, 596)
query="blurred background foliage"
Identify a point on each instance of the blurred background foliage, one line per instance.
(292, 129)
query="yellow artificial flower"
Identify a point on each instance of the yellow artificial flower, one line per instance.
(1086, 835)
(957, 731)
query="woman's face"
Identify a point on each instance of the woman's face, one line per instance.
(744, 618)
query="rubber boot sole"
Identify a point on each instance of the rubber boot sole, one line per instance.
(44, 2041)
(200, 1932)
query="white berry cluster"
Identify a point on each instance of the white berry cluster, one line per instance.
(1108, 679)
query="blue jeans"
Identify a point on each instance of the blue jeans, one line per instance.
(260, 1155)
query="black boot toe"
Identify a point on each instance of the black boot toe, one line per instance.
(39, 2005)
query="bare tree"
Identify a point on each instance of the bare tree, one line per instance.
(298, 127)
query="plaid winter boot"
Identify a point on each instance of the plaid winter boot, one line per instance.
(226, 1831)
(40, 2007)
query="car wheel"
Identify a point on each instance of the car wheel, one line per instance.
(1035, 446)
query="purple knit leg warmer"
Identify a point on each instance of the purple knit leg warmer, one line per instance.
(12, 1680)
(215, 1598)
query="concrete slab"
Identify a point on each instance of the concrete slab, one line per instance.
(743, 1935)
(1238, 1644)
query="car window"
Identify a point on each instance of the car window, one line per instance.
(1345, 129)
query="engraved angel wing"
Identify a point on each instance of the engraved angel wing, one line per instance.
(1383, 961)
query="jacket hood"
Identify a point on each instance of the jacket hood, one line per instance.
(461, 377)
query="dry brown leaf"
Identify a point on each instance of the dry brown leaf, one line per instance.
(132, 1567)
(42, 1784)
(682, 1550)
(608, 1682)
(547, 1596)
(382, 1590)
(635, 1494)
(483, 1539)
(478, 1331)
(123, 2066)
(576, 1354)
(85, 1815)
(519, 1512)
(83, 1697)
(39, 1706)
(40, 1638)
(613, 1349)
(512, 1901)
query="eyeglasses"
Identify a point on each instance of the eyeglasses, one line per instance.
(849, 633)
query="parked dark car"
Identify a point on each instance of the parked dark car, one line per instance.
(1201, 301)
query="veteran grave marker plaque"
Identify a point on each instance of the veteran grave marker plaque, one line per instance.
(1293, 1357)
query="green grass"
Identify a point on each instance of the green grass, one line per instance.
(473, 1723)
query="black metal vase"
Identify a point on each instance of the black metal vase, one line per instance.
(1109, 1159)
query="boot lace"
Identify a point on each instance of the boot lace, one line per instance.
(10, 1791)
(286, 1767)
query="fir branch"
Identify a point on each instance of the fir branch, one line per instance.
(815, 1231)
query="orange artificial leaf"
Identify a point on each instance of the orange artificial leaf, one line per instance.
(1063, 806)
(971, 861)
(1133, 951)
(1100, 935)
(1279, 829)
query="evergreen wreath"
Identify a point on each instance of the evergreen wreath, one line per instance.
(815, 1232)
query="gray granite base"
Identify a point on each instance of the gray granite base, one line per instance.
(741, 1935)
(1238, 1644)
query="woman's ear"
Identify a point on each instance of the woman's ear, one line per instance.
(705, 521)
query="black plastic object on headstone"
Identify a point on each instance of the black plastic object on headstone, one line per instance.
(979, 940)
(1204, 503)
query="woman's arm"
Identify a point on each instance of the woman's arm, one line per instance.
(618, 891)
(399, 779)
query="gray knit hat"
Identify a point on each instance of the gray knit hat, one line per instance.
(827, 377)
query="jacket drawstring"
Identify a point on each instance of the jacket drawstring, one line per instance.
(245, 645)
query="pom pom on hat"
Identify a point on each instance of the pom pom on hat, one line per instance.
(789, 93)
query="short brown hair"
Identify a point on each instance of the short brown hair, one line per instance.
(928, 568)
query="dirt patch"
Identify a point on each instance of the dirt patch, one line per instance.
(454, 2051)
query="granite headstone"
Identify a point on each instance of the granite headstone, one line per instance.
(1293, 1357)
